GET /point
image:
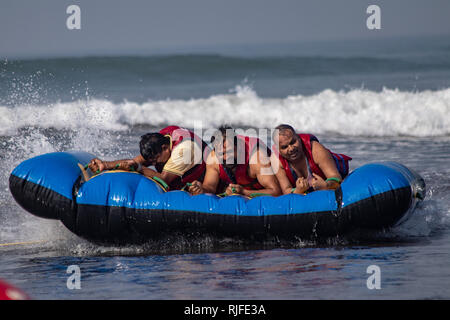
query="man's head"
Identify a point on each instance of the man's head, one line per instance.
(225, 143)
(155, 148)
(288, 142)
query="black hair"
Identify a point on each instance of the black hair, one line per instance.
(223, 131)
(283, 127)
(151, 144)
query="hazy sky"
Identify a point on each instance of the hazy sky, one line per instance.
(38, 27)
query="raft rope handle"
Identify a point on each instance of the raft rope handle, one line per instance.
(334, 179)
(224, 194)
(162, 182)
(22, 243)
(186, 186)
(293, 192)
(257, 194)
(87, 166)
(83, 172)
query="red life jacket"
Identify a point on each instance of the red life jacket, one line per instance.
(241, 176)
(341, 160)
(178, 135)
(8, 292)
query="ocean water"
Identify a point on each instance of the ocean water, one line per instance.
(375, 101)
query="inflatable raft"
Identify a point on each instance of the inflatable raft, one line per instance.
(127, 207)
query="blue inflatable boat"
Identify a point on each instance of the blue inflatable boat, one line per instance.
(127, 207)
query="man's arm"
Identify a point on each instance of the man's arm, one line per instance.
(98, 165)
(165, 175)
(263, 170)
(211, 180)
(140, 160)
(285, 184)
(326, 163)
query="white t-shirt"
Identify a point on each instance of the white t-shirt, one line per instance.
(184, 156)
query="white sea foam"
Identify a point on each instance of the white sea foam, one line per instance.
(357, 112)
